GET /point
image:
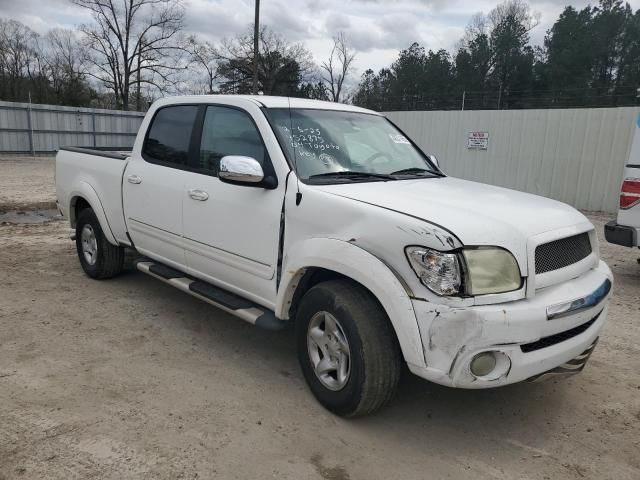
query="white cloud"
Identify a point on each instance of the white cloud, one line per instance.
(41, 16)
(377, 29)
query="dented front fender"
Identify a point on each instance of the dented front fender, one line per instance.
(361, 266)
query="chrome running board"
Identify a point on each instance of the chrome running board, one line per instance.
(224, 300)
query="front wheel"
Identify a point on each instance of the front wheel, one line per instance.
(98, 258)
(347, 348)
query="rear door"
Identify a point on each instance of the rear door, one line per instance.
(154, 183)
(231, 231)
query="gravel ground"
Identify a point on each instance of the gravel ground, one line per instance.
(130, 378)
(27, 183)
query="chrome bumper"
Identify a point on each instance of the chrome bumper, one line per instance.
(564, 309)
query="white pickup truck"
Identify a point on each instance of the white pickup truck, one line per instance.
(625, 230)
(327, 216)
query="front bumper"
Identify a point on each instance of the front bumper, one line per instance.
(621, 234)
(519, 331)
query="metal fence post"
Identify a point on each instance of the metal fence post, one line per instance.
(93, 128)
(30, 126)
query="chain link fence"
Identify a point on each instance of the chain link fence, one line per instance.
(509, 100)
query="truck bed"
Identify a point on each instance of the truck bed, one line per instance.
(96, 175)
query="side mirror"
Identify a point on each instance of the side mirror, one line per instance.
(236, 168)
(434, 160)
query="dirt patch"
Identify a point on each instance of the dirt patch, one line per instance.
(130, 378)
(27, 183)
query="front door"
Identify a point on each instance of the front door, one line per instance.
(154, 183)
(231, 232)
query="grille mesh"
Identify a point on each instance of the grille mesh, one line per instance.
(562, 253)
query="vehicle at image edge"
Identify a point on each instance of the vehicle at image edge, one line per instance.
(625, 229)
(327, 215)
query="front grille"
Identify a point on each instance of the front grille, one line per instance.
(562, 253)
(558, 337)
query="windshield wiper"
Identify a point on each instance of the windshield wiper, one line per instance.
(417, 170)
(349, 174)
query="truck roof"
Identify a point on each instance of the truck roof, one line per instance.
(270, 102)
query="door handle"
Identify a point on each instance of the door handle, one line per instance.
(135, 179)
(199, 195)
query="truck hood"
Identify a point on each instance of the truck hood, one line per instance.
(475, 213)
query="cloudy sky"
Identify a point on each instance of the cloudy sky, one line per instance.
(377, 29)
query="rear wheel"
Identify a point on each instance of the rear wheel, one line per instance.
(98, 258)
(347, 348)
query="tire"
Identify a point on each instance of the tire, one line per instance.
(107, 260)
(374, 358)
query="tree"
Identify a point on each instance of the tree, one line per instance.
(592, 56)
(609, 22)
(134, 43)
(314, 90)
(408, 73)
(282, 66)
(568, 55)
(338, 66)
(628, 73)
(473, 63)
(439, 79)
(205, 58)
(367, 93)
(44, 69)
(513, 58)
(518, 10)
(494, 54)
(374, 91)
(19, 67)
(66, 64)
(416, 79)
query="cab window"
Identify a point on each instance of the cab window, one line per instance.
(228, 131)
(169, 136)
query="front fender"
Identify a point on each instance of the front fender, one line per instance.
(86, 191)
(361, 266)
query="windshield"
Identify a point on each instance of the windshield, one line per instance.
(328, 146)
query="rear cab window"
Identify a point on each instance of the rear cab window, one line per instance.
(169, 136)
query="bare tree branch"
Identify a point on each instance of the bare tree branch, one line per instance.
(338, 66)
(134, 43)
(205, 58)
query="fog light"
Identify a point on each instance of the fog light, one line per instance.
(483, 364)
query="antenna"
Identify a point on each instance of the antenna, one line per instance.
(295, 155)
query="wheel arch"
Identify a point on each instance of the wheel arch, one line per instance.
(86, 197)
(317, 260)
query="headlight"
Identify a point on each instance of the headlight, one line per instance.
(490, 270)
(486, 270)
(438, 271)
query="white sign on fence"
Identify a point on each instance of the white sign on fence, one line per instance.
(478, 141)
